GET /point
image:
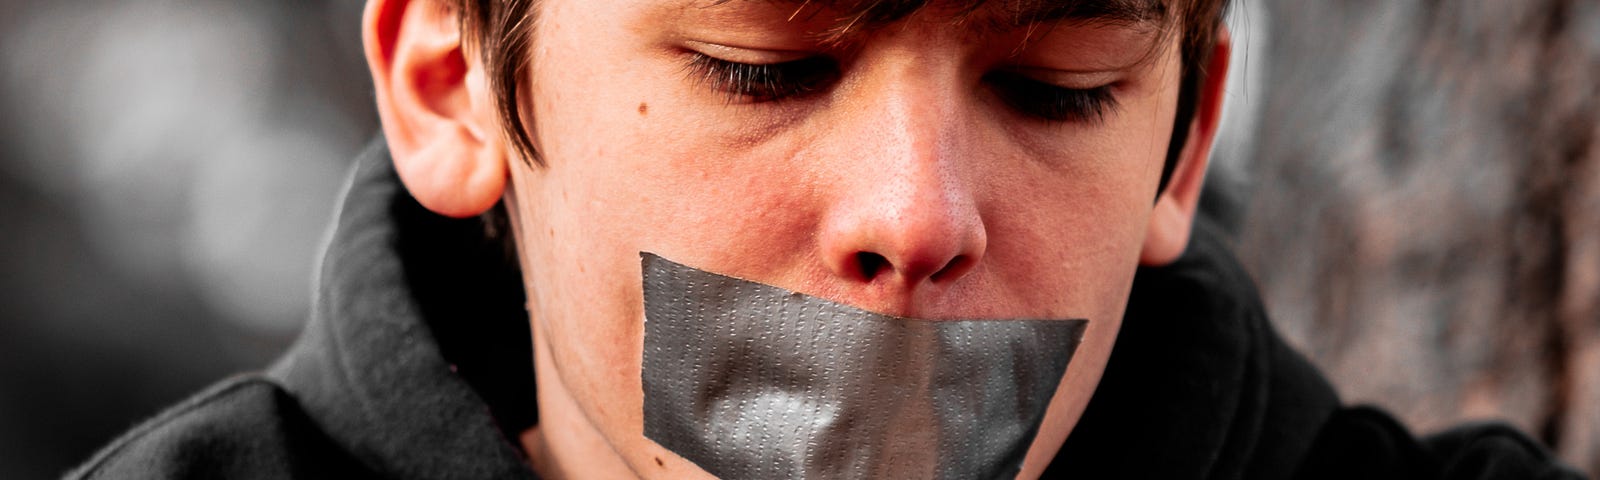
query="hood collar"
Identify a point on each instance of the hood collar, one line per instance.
(381, 364)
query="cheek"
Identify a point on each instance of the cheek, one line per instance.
(1067, 248)
(1069, 215)
(657, 185)
(621, 179)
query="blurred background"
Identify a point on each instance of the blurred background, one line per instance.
(1414, 185)
(167, 171)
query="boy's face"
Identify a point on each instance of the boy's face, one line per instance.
(928, 169)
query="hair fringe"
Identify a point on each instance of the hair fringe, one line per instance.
(500, 32)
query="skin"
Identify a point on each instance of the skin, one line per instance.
(977, 210)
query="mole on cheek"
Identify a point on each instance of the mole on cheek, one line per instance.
(643, 109)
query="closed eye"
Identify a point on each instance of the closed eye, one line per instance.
(763, 82)
(1052, 102)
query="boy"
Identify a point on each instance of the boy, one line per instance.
(758, 239)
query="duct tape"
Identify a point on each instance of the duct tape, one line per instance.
(754, 381)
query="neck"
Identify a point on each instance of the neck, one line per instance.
(565, 444)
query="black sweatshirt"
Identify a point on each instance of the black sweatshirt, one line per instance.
(416, 363)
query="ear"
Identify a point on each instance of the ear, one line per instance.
(433, 102)
(1173, 218)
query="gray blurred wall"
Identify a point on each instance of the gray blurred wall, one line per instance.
(167, 169)
(1422, 206)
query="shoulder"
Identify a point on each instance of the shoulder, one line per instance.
(243, 427)
(1364, 442)
(1494, 450)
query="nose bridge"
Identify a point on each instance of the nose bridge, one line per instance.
(908, 217)
(903, 125)
(911, 105)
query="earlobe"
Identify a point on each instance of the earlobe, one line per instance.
(433, 105)
(1167, 235)
(1171, 221)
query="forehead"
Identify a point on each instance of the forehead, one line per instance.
(850, 15)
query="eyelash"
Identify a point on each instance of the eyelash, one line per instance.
(764, 82)
(1051, 102)
(760, 83)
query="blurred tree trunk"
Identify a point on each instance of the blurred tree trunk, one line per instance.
(1422, 208)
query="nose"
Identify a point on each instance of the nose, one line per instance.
(904, 217)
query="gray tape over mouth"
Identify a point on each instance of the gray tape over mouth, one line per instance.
(753, 381)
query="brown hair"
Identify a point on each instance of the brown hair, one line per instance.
(500, 32)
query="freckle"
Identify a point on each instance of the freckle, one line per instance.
(658, 459)
(643, 109)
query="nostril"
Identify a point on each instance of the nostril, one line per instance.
(870, 264)
(954, 268)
